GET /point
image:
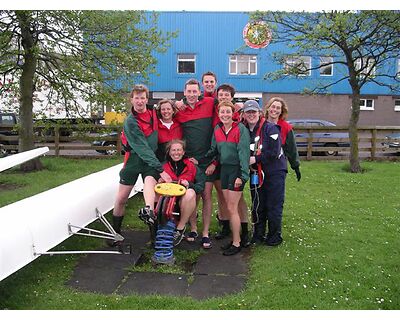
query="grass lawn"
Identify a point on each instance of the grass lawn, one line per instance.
(341, 248)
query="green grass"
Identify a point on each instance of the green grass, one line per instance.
(341, 248)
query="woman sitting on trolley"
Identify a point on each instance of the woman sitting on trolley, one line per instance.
(187, 174)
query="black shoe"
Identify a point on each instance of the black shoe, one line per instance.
(273, 244)
(231, 250)
(114, 243)
(147, 215)
(226, 245)
(257, 240)
(244, 241)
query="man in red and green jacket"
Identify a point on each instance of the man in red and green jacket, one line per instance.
(140, 140)
(196, 121)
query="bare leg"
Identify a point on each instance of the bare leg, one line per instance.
(222, 210)
(232, 201)
(207, 207)
(243, 211)
(148, 191)
(187, 204)
(121, 200)
(193, 217)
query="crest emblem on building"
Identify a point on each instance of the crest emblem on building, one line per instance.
(257, 35)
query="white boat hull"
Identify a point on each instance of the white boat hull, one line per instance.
(16, 159)
(36, 224)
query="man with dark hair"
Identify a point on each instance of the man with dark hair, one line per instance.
(196, 120)
(209, 82)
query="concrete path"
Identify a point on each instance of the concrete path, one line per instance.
(212, 275)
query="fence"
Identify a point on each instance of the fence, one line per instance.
(313, 142)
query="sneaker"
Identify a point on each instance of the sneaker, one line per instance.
(178, 236)
(232, 250)
(147, 215)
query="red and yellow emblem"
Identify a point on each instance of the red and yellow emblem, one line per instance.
(257, 35)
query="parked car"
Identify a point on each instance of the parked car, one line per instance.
(108, 142)
(320, 134)
(8, 136)
(392, 141)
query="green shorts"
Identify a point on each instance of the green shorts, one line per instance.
(229, 173)
(133, 167)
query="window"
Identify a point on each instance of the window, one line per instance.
(397, 105)
(242, 64)
(324, 69)
(186, 63)
(298, 65)
(398, 69)
(366, 65)
(7, 120)
(366, 104)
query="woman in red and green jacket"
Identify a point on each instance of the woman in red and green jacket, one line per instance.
(183, 171)
(168, 127)
(230, 147)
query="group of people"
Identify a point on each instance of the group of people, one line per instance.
(207, 140)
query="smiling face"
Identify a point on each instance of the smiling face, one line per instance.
(225, 114)
(139, 101)
(224, 95)
(176, 151)
(166, 112)
(251, 117)
(192, 93)
(209, 83)
(274, 111)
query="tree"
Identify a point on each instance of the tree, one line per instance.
(75, 56)
(365, 43)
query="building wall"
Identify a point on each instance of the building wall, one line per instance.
(213, 36)
(337, 109)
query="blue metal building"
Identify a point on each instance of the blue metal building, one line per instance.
(213, 41)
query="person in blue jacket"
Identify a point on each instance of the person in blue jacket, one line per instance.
(274, 167)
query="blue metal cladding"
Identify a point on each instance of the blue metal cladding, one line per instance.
(212, 37)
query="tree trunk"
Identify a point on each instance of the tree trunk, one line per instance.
(353, 131)
(26, 87)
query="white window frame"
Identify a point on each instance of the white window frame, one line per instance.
(295, 61)
(324, 60)
(236, 59)
(396, 104)
(359, 66)
(183, 57)
(364, 102)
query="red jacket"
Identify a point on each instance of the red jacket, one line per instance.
(285, 128)
(188, 173)
(165, 134)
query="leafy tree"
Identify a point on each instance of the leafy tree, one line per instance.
(365, 46)
(75, 56)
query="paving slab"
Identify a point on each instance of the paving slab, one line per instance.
(218, 264)
(209, 286)
(212, 275)
(155, 283)
(102, 273)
